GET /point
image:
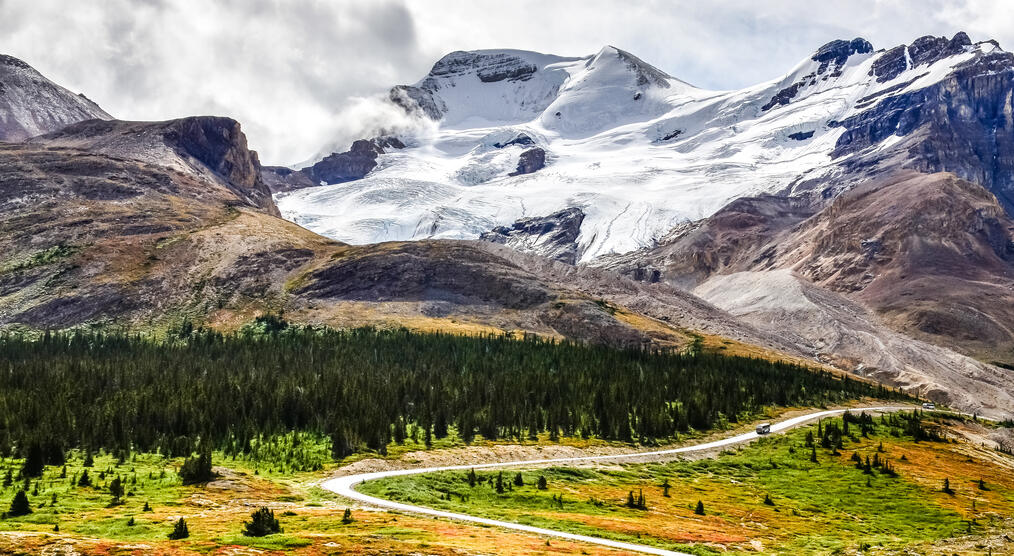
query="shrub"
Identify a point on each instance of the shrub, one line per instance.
(262, 523)
(197, 469)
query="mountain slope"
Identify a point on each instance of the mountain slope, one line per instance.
(32, 105)
(640, 152)
(148, 224)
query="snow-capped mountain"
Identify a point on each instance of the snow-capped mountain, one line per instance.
(31, 105)
(521, 135)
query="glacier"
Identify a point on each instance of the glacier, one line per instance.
(637, 150)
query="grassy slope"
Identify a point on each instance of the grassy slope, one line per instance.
(819, 508)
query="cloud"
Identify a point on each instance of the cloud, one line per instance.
(301, 74)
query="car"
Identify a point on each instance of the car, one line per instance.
(929, 405)
(764, 428)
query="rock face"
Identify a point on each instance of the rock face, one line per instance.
(553, 236)
(353, 164)
(211, 146)
(530, 161)
(350, 165)
(31, 105)
(962, 124)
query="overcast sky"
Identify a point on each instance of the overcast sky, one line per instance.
(289, 71)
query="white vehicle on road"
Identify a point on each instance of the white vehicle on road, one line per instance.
(764, 428)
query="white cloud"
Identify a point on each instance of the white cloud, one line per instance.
(295, 72)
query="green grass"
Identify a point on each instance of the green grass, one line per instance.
(821, 507)
(40, 258)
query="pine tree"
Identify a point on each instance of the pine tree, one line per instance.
(813, 454)
(542, 484)
(85, 480)
(471, 478)
(34, 462)
(947, 487)
(982, 485)
(499, 483)
(19, 505)
(347, 516)
(262, 523)
(665, 487)
(88, 459)
(116, 490)
(180, 531)
(699, 510)
(768, 501)
(146, 508)
(519, 481)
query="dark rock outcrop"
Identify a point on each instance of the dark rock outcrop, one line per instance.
(352, 164)
(521, 139)
(924, 50)
(206, 143)
(553, 236)
(801, 135)
(838, 51)
(531, 161)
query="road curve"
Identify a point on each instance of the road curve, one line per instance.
(345, 486)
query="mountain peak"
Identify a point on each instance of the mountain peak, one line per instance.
(838, 51)
(646, 73)
(32, 105)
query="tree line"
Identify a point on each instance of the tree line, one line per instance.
(364, 388)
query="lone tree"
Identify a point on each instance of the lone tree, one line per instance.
(19, 505)
(665, 488)
(947, 487)
(699, 510)
(180, 531)
(541, 484)
(471, 478)
(519, 481)
(35, 462)
(85, 480)
(347, 516)
(262, 523)
(116, 490)
(197, 469)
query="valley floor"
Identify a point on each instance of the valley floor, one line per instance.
(820, 508)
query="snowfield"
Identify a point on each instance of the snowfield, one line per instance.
(636, 149)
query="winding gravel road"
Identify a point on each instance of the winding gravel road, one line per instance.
(345, 486)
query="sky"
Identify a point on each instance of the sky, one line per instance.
(299, 75)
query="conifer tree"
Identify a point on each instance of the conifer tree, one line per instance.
(85, 480)
(542, 484)
(116, 490)
(699, 510)
(180, 530)
(19, 505)
(347, 516)
(947, 487)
